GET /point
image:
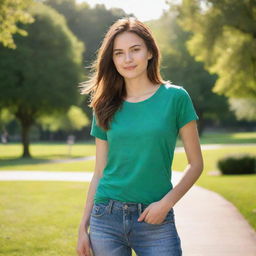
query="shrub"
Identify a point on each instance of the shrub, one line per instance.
(237, 164)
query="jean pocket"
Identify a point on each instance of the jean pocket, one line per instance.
(168, 219)
(98, 209)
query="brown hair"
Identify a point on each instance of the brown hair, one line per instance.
(106, 85)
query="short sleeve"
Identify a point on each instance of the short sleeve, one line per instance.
(96, 130)
(185, 110)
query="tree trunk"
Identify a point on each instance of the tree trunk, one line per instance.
(26, 119)
(25, 139)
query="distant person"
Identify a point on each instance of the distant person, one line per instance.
(70, 142)
(4, 137)
(137, 117)
(71, 139)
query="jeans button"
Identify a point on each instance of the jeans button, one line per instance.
(126, 207)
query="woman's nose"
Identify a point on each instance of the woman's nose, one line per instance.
(128, 57)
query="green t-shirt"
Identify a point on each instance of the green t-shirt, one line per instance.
(141, 143)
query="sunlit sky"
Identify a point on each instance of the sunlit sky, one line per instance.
(143, 9)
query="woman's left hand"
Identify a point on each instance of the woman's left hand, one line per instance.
(155, 213)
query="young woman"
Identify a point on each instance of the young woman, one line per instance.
(136, 120)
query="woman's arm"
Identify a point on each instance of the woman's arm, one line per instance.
(156, 212)
(190, 139)
(101, 159)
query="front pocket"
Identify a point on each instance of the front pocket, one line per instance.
(168, 219)
(98, 210)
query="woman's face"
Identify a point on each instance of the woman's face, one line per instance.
(130, 55)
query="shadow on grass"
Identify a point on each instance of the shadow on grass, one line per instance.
(22, 161)
(34, 160)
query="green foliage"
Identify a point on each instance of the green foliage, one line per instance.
(243, 108)
(5, 116)
(182, 69)
(88, 24)
(237, 164)
(11, 13)
(224, 39)
(40, 77)
(74, 119)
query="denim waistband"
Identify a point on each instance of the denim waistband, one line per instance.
(128, 206)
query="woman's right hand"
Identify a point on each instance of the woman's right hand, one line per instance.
(83, 244)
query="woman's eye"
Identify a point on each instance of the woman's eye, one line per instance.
(119, 53)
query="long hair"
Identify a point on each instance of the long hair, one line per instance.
(105, 85)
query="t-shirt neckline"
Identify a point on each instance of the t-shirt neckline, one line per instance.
(148, 99)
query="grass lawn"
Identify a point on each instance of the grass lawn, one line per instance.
(225, 138)
(40, 218)
(44, 154)
(228, 138)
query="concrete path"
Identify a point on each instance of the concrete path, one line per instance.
(208, 224)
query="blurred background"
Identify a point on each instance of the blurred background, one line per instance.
(46, 49)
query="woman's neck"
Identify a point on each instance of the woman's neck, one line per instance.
(139, 87)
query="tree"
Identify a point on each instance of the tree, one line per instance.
(181, 68)
(244, 108)
(40, 77)
(74, 119)
(11, 13)
(224, 38)
(88, 24)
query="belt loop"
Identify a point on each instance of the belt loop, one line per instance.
(110, 206)
(139, 209)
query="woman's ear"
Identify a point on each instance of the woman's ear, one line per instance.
(150, 55)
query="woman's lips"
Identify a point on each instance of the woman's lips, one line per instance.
(130, 67)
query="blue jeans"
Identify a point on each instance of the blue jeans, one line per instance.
(115, 231)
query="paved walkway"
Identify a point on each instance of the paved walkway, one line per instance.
(208, 224)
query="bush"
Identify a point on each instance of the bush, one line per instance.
(237, 164)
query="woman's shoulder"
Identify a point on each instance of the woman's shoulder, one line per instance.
(176, 90)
